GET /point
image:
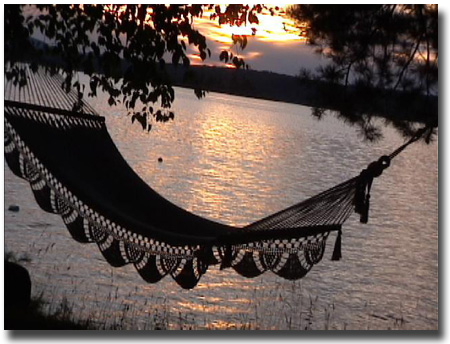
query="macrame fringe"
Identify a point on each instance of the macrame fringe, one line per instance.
(337, 254)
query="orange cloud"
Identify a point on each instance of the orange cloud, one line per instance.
(276, 28)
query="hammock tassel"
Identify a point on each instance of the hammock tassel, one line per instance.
(365, 211)
(337, 254)
(205, 257)
(360, 196)
(364, 218)
(227, 257)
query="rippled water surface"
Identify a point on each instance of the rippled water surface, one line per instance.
(235, 160)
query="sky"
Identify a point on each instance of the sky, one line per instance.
(276, 46)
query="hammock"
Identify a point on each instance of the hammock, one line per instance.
(76, 171)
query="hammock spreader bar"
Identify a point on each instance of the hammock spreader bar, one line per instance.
(76, 171)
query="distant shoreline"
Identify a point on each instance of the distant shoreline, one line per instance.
(394, 106)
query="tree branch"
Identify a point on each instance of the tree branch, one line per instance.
(405, 67)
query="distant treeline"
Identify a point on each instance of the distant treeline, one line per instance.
(349, 101)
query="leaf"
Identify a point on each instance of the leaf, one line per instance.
(186, 62)
(158, 116)
(176, 58)
(199, 93)
(171, 93)
(223, 56)
(244, 42)
(252, 18)
(95, 49)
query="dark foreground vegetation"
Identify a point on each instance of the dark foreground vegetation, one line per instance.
(35, 318)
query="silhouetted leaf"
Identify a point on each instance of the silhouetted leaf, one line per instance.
(253, 19)
(223, 56)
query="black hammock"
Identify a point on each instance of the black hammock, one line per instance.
(75, 170)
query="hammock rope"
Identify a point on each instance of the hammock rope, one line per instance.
(75, 170)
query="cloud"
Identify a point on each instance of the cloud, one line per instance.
(276, 46)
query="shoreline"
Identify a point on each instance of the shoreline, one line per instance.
(350, 102)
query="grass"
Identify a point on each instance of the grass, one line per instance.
(298, 312)
(35, 318)
(38, 317)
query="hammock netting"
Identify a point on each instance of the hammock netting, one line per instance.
(75, 170)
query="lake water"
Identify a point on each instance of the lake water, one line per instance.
(235, 160)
